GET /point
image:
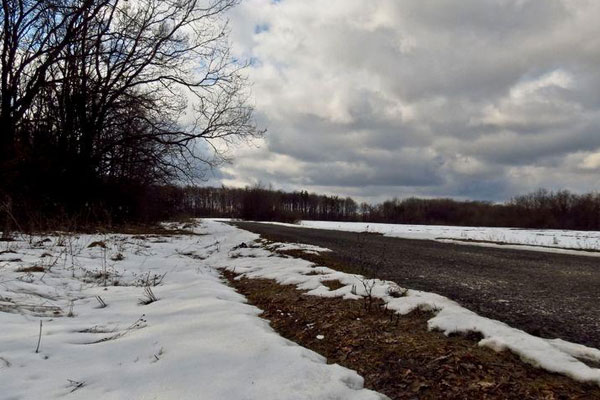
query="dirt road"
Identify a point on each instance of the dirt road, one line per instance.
(547, 294)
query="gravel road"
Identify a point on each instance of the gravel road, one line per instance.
(547, 294)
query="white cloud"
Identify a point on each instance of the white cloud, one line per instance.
(467, 98)
(591, 162)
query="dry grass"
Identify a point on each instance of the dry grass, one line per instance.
(397, 355)
(333, 284)
(35, 268)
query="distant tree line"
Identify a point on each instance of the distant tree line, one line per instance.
(541, 209)
(252, 203)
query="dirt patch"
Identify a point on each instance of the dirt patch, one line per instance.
(326, 259)
(397, 355)
(333, 285)
(13, 260)
(36, 268)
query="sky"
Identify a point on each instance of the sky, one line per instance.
(470, 99)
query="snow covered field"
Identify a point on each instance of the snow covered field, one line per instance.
(548, 240)
(199, 339)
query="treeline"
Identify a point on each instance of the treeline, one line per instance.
(256, 203)
(541, 209)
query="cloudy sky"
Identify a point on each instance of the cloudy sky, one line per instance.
(478, 99)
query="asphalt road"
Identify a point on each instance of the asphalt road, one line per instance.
(547, 294)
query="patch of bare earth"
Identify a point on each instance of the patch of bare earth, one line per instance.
(397, 355)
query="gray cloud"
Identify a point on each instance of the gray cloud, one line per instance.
(474, 99)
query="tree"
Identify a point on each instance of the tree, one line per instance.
(96, 92)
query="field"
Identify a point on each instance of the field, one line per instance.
(563, 241)
(157, 315)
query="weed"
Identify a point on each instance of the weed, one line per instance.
(72, 251)
(35, 268)
(37, 348)
(41, 243)
(101, 301)
(138, 324)
(70, 314)
(75, 384)
(193, 255)
(6, 362)
(150, 280)
(239, 246)
(368, 285)
(149, 296)
(101, 276)
(98, 243)
(160, 353)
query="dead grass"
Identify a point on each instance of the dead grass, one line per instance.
(187, 228)
(325, 259)
(98, 243)
(35, 268)
(154, 231)
(397, 355)
(333, 284)
(315, 273)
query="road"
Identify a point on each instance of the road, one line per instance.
(546, 294)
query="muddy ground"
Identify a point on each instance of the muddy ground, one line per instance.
(547, 294)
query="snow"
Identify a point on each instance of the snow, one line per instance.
(199, 340)
(307, 248)
(449, 317)
(561, 241)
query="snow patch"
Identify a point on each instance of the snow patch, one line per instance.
(552, 355)
(548, 240)
(198, 340)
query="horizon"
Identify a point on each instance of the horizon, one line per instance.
(472, 101)
(383, 198)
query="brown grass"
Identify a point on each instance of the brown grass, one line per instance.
(333, 284)
(397, 355)
(36, 268)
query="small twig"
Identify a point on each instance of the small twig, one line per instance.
(37, 349)
(140, 323)
(101, 301)
(76, 385)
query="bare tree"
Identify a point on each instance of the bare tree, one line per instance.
(117, 90)
(33, 35)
